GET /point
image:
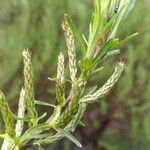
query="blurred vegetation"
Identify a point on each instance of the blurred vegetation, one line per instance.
(121, 120)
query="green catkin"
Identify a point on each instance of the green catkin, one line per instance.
(70, 111)
(60, 89)
(7, 115)
(71, 49)
(72, 107)
(107, 86)
(111, 81)
(28, 86)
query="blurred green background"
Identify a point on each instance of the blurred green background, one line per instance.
(121, 121)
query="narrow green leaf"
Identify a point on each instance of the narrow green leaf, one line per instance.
(42, 116)
(97, 70)
(44, 103)
(111, 53)
(77, 35)
(109, 45)
(69, 136)
(82, 124)
(35, 131)
(78, 116)
(95, 27)
(123, 11)
(126, 40)
(55, 115)
(92, 90)
(83, 36)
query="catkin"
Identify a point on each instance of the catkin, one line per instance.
(107, 86)
(28, 85)
(7, 115)
(60, 93)
(71, 49)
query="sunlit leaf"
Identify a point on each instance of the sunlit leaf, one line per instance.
(77, 35)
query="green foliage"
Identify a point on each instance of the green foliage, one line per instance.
(64, 119)
(19, 23)
(133, 87)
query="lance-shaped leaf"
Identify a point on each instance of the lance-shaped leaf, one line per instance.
(77, 36)
(69, 136)
(7, 115)
(124, 7)
(77, 118)
(71, 49)
(37, 102)
(69, 128)
(28, 85)
(21, 114)
(42, 116)
(109, 45)
(94, 28)
(107, 86)
(126, 40)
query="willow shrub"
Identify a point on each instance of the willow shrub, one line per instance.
(68, 109)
